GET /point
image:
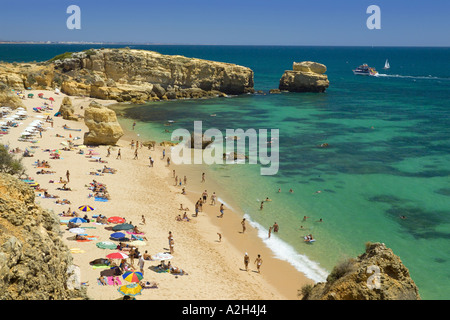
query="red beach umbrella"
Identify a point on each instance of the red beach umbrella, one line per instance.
(40, 94)
(51, 99)
(117, 255)
(116, 219)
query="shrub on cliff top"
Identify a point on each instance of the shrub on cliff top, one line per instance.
(8, 164)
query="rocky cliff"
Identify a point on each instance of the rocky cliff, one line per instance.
(378, 274)
(125, 74)
(306, 76)
(34, 262)
(129, 75)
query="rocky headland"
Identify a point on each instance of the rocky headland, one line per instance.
(130, 75)
(377, 274)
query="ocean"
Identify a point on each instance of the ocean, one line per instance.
(388, 151)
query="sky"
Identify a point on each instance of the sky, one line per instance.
(230, 22)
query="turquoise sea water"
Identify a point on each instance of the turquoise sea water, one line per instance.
(388, 155)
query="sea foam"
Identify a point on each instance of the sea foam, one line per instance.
(284, 251)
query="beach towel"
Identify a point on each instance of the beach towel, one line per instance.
(131, 232)
(111, 281)
(100, 199)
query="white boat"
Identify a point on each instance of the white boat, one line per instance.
(386, 65)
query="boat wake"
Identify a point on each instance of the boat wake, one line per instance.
(429, 77)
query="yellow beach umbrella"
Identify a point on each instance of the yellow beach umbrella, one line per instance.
(131, 289)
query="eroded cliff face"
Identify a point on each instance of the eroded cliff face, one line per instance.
(378, 274)
(129, 75)
(306, 76)
(35, 264)
(140, 75)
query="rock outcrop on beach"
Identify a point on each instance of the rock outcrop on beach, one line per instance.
(378, 274)
(67, 110)
(35, 264)
(140, 75)
(306, 76)
(104, 129)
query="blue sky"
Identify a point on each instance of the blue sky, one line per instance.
(230, 22)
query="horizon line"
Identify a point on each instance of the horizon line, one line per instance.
(48, 42)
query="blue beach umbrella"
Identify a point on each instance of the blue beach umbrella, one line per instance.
(77, 220)
(117, 235)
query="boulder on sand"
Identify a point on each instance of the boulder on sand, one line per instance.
(104, 129)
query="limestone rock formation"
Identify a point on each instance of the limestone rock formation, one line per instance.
(306, 76)
(378, 274)
(140, 75)
(35, 264)
(67, 110)
(7, 99)
(104, 129)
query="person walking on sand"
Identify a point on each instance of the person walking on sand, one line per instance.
(135, 154)
(109, 152)
(220, 236)
(164, 153)
(203, 177)
(68, 175)
(119, 156)
(143, 219)
(171, 242)
(168, 161)
(213, 199)
(243, 225)
(246, 260)
(185, 180)
(258, 262)
(205, 196)
(141, 263)
(134, 124)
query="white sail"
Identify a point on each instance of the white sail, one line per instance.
(386, 65)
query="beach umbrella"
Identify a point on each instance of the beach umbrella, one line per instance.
(131, 289)
(116, 219)
(117, 255)
(77, 230)
(86, 208)
(117, 235)
(106, 245)
(78, 220)
(51, 99)
(123, 226)
(40, 94)
(132, 276)
(162, 256)
(138, 243)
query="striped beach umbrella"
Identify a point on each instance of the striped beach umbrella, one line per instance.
(86, 208)
(131, 289)
(132, 276)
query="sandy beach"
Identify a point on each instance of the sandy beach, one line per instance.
(215, 269)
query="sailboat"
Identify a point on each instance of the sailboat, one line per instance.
(386, 65)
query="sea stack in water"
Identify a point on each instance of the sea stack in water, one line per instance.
(306, 76)
(102, 124)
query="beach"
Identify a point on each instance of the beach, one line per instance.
(213, 269)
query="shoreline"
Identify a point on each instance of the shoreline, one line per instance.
(214, 268)
(277, 272)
